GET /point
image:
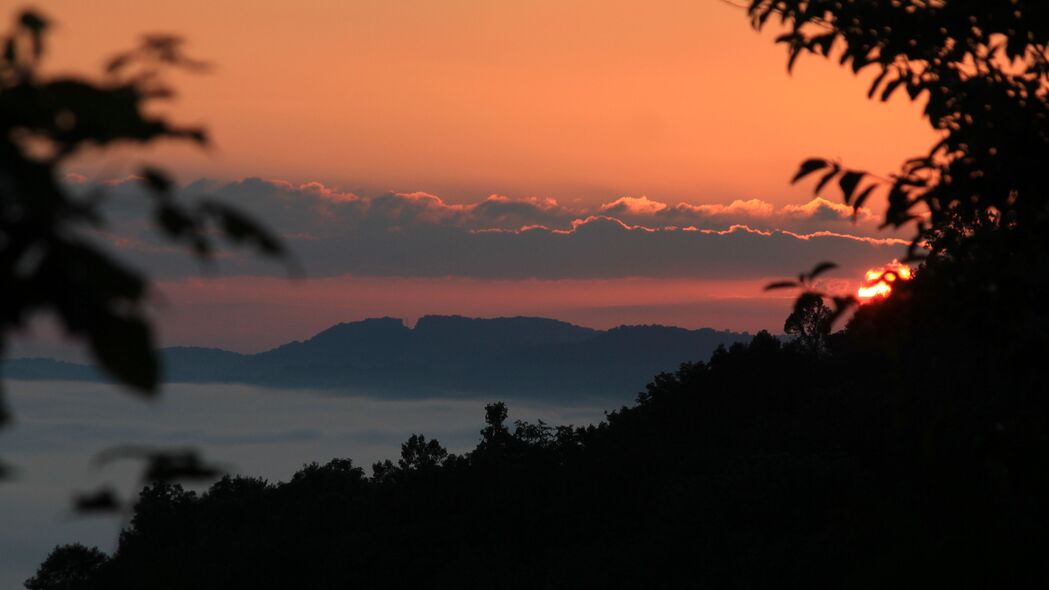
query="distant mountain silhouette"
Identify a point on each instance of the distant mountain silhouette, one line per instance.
(441, 355)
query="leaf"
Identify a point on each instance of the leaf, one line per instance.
(106, 277)
(117, 62)
(36, 25)
(163, 465)
(824, 42)
(826, 178)
(835, 315)
(103, 501)
(10, 51)
(157, 180)
(848, 183)
(123, 346)
(5, 414)
(860, 200)
(808, 167)
(794, 53)
(890, 88)
(877, 82)
(781, 285)
(844, 301)
(174, 221)
(241, 229)
(167, 466)
(33, 21)
(821, 268)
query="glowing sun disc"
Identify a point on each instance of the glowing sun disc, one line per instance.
(877, 283)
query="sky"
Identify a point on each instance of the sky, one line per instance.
(600, 162)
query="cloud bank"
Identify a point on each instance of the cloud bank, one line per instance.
(421, 235)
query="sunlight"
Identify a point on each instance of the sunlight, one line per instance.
(877, 282)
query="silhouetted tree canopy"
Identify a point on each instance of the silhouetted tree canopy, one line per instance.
(765, 467)
(809, 323)
(67, 567)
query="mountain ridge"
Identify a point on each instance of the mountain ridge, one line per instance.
(442, 355)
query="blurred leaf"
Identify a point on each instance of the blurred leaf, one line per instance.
(89, 268)
(32, 21)
(36, 25)
(808, 167)
(781, 285)
(826, 178)
(890, 88)
(848, 183)
(861, 199)
(241, 229)
(117, 62)
(124, 347)
(179, 466)
(807, 299)
(157, 180)
(175, 222)
(164, 465)
(5, 413)
(821, 268)
(102, 501)
(844, 301)
(877, 82)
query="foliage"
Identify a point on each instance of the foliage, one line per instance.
(765, 467)
(982, 71)
(67, 567)
(909, 452)
(50, 259)
(809, 323)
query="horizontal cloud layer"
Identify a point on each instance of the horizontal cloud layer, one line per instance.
(421, 235)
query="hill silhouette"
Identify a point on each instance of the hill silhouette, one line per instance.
(441, 355)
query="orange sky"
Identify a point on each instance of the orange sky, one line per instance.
(582, 101)
(571, 99)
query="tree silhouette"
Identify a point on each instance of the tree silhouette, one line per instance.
(49, 258)
(419, 455)
(809, 323)
(981, 72)
(67, 567)
(495, 434)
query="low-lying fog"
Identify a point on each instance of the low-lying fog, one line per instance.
(60, 426)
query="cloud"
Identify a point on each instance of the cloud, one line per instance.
(421, 235)
(633, 206)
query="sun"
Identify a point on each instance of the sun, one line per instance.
(878, 282)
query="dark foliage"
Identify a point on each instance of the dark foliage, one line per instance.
(908, 450)
(982, 71)
(768, 466)
(49, 254)
(67, 567)
(809, 323)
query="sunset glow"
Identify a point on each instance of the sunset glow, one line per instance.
(404, 144)
(877, 282)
